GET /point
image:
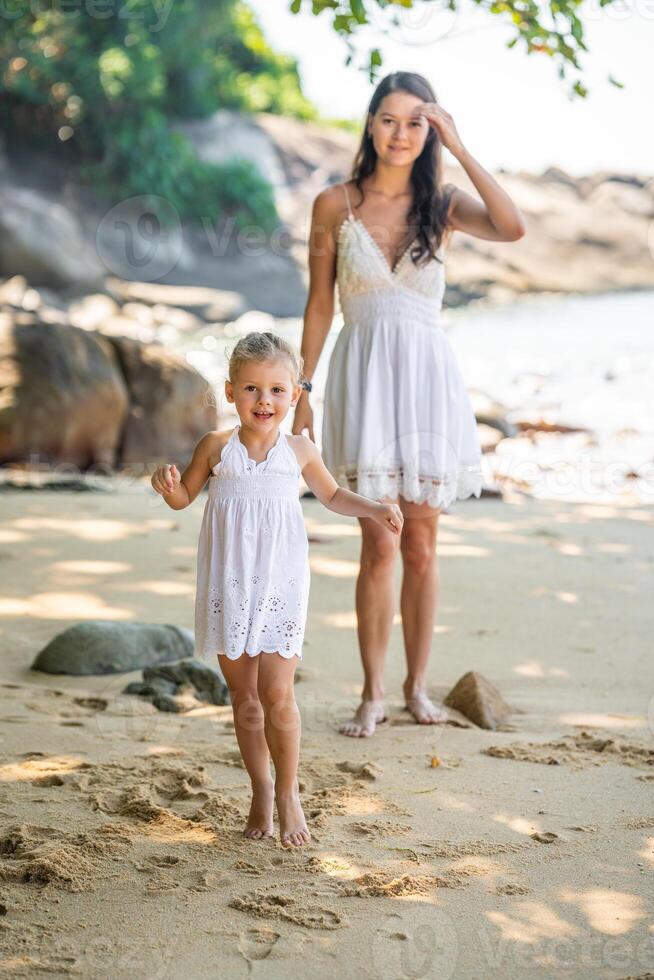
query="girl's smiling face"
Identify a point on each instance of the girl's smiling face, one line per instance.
(263, 392)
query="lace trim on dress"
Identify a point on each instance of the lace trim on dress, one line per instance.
(436, 491)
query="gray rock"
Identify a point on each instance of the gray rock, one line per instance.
(107, 647)
(42, 239)
(476, 698)
(181, 686)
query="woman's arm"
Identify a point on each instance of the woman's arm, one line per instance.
(495, 217)
(319, 309)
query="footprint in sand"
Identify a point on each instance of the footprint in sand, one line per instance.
(257, 943)
(362, 770)
(277, 905)
(512, 888)
(546, 837)
(577, 750)
(384, 884)
(377, 828)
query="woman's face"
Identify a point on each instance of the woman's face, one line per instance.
(398, 132)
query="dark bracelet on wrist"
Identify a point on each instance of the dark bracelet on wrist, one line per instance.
(306, 384)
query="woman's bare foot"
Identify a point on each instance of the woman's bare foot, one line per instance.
(368, 715)
(293, 830)
(260, 817)
(424, 711)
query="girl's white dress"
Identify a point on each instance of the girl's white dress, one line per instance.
(253, 556)
(397, 415)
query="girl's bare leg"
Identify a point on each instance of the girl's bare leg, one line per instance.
(241, 677)
(375, 607)
(418, 603)
(282, 727)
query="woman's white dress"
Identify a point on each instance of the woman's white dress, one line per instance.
(253, 573)
(397, 415)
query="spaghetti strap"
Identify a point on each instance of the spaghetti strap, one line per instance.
(347, 198)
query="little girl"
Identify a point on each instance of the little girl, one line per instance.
(253, 567)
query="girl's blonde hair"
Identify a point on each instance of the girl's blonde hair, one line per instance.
(265, 346)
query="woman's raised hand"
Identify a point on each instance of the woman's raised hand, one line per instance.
(166, 479)
(391, 517)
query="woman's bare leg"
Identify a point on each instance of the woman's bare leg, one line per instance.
(241, 677)
(282, 726)
(418, 603)
(375, 607)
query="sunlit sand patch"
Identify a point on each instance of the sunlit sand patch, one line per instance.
(599, 511)
(518, 824)
(567, 548)
(463, 551)
(610, 912)
(87, 530)
(613, 547)
(31, 769)
(332, 530)
(588, 720)
(162, 587)
(63, 605)
(348, 620)
(570, 598)
(385, 884)
(448, 801)
(532, 922)
(91, 567)
(534, 668)
(8, 536)
(335, 866)
(360, 806)
(333, 567)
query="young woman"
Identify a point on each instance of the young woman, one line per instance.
(398, 424)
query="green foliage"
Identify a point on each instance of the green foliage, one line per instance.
(107, 79)
(554, 29)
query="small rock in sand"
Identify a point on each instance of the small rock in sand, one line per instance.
(181, 686)
(477, 699)
(106, 647)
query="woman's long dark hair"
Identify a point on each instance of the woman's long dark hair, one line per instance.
(430, 202)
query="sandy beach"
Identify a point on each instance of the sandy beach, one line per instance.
(446, 851)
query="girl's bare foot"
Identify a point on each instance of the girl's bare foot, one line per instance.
(423, 710)
(368, 715)
(293, 830)
(260, 817)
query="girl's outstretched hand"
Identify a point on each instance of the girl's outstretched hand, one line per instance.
(391, 517)
(166, 479)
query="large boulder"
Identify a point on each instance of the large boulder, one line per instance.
(106, 647)
(42, 239)
(62, 395)
(170, 408)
